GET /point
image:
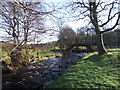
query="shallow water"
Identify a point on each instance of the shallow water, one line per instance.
(37, 74)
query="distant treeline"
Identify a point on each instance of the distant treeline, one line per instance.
(68, 36)
(10, 46)
(110, 39)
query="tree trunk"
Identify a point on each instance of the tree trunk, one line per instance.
(100, 44)
(16, 57)
(93, 17)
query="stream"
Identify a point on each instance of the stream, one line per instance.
(39, 73)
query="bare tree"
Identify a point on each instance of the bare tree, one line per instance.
(66, 37)
(19, 21)
(95, 9)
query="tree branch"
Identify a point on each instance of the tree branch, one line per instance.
(109, 29)
(109, 19)
(38, 12)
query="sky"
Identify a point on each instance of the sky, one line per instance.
(51, 22)
(79, 23)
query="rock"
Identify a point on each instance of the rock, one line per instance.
(60, 66)
(36, 73)
(55, 69)
(36, 79)
(46, 72)
(55, 73)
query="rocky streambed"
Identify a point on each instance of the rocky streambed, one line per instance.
(39, 73)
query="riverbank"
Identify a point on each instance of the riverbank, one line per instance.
(92, 71)
(39, 73)
(32, 57)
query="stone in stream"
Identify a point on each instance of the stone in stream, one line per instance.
(55, 69)
(48, 77)
(37, 79)
(36, 72)
(46, 72)
(55, 73)
(31, 67)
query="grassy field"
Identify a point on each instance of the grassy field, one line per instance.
(92, 71)
(32, 54)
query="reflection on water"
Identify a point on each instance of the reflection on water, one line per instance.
(39, 73)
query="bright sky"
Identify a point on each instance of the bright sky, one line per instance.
(52, 36)
(79, 23)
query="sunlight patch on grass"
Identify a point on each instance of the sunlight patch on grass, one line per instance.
(92, 71)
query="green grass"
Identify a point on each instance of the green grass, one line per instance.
(33, 54)
(82, 47)
(41, 53)
(113, 49)
(92, 71)
(4, 56)
(49, 53)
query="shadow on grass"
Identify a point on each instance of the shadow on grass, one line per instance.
(100, 73)
(102, 60)
(94, 58)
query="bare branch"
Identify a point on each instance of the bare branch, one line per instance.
(109, 29)
(16, 47)
(104, 8)
(109, 19)
(36, 12)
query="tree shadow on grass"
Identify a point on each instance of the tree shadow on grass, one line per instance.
(93, 58)
(100, 60)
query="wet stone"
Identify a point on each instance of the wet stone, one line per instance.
(55, 73)
(45, 72)
(36, 79)
(36, 72)
(55, 69)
